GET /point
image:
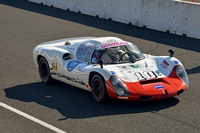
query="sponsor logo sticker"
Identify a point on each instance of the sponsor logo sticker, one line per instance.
(123, 97)
(111, 40)
(113, 72)
(164, 64)
(158, 87)
(54, 66)
(72, 64)
(113, 44)
(86, 85)
(176, 62)
(135, 66)
(129, 71)
(70, 79)
(158, 73)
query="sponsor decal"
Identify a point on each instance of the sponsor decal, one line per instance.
(135, 66)
(159, 74)
(176, 62)
(164, 64)
(69, 78)
(158, 87)
(129, 71)
(113, 44)
(72, 64)
(86, 85)
(123, 97)
(111, 40)
(113, 72)
(54, 66)
(80, 68)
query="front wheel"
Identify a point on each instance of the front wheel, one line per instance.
(99, 90)
(44, 71)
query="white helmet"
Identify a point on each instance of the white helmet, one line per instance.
(112, 50)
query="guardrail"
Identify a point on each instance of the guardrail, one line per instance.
(173, 16)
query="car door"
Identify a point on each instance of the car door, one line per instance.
(74, 69)
(84, 53)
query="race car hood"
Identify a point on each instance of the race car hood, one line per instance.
(149, 68)
(152, 77)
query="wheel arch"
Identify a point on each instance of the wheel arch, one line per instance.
(92, 75)
(39, 57)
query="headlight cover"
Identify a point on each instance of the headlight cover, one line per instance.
(119, 87)
(180, 71)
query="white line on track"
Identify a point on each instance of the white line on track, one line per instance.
(31, 118)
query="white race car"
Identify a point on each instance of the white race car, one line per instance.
(110, 67)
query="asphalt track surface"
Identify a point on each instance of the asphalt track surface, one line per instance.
(23, 25)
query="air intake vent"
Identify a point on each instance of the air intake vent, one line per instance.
(152, 81)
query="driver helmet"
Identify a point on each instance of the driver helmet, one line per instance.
(97, 54)
(112, 50)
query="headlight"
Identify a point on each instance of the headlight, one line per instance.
(119, 87)
(179, 70)
(182, 74)
(115, 80)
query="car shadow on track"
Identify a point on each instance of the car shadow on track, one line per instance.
(193, 70)
(75, 103)
(108, 25)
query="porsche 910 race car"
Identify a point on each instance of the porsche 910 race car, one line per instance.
(110, 67)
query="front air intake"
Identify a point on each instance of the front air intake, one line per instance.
(152, 81)
(145, 98)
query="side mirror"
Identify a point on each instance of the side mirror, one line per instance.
(100, 62)
(171, 52)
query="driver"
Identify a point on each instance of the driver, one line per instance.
(113, 54)
(96, 56)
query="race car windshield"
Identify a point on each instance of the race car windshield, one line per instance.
(118, 54)
(134, 51)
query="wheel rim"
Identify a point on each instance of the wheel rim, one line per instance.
(43, 70)
(97, 89)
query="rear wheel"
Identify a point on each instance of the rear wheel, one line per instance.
(99, 90)
(44, 71)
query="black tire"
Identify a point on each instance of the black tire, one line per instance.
(99, 92)
(44, 71)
